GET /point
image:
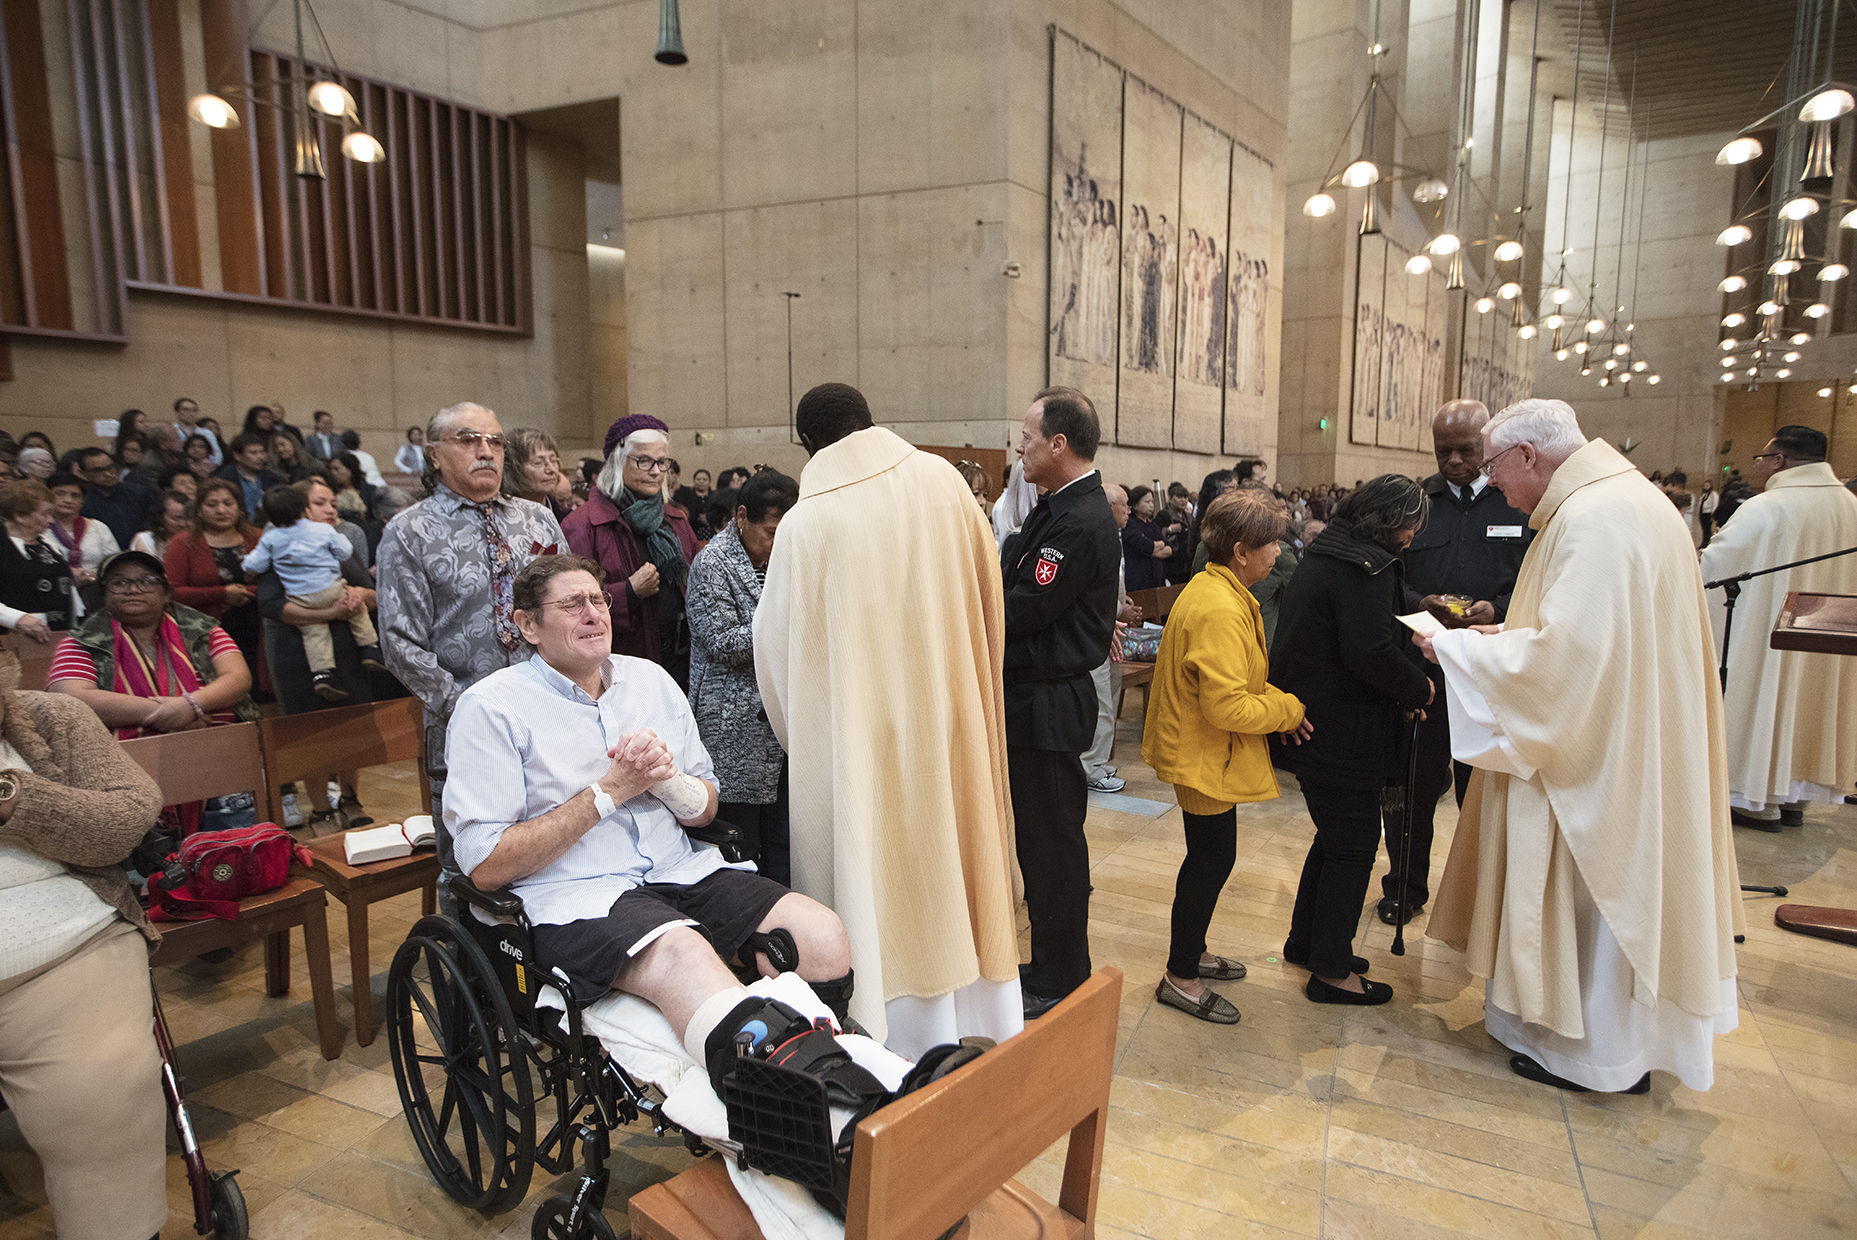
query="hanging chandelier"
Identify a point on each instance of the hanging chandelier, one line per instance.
(1363, 172)
(1786, 264)
(309, 101)
(1604, 330)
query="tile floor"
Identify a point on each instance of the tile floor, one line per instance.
(1387, 1123)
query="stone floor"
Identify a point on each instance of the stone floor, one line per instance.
(1395, 1122)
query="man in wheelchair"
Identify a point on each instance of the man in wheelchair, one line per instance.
(573, 778)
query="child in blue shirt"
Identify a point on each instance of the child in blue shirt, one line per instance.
(307, 557)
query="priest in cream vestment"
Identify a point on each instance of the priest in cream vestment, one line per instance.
(878, 645)
(1792, 715)
(1592, 878)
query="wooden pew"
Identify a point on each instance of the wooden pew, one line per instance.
(1155, 604)
(35, 658)
(210, 762)
(347, 738)
(919, 1165)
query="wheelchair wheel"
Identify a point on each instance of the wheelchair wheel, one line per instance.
(551, 1223)
(229, 1221)
(459, 1061)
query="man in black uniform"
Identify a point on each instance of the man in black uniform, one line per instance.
(1059, 572)
(1472, 547)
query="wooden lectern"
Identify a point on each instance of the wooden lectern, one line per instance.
(1820, 624)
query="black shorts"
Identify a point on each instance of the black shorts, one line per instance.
(727, 906)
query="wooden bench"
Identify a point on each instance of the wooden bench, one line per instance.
(348, 738)
(35, 658)
(920, 1165)
(210, 762)
(1156, 603)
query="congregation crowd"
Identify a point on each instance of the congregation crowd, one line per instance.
(905, 719)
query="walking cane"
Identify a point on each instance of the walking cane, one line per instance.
(1407, 808)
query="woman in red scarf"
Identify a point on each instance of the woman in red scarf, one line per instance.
(148, 665)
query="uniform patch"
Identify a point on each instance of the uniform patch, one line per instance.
(1045, 571)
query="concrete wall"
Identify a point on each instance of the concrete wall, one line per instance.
(885, 161)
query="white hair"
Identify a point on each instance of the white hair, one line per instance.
(611, 481)
(1550, 425)
(443, 419)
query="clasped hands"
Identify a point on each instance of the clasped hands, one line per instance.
(640, 760)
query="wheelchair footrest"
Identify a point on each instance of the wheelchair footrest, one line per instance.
(783, 1122)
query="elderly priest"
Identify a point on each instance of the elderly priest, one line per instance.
(1592, 879)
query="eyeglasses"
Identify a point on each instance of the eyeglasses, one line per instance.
(578, 605)
(135, 585)
(1489, 466)
(650, 464)
(1762, 456)
(470, 440)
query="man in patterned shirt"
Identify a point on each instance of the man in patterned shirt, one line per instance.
(447, 569)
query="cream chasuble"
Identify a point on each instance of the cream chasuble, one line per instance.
(1592, 878)
(878, 644)
(1792, 716)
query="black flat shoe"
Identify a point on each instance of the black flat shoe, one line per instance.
(1372, 994)
(1038, 1005)
(1356, 964)
(1389, 912)
(1769, 825)
(1528, 1069)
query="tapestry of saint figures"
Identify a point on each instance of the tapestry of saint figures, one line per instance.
(1160, 235)
(1407, 361)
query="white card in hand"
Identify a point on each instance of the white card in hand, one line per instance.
(1422, 622)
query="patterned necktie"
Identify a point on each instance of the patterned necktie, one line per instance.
(502, 579)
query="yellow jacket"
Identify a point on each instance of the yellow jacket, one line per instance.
(1210, 707)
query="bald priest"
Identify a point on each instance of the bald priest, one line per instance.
(1592, 878)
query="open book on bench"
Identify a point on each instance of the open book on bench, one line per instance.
(397, 839)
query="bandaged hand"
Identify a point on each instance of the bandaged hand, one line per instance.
(685, 796)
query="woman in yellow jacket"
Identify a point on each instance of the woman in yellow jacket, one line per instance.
(1209, 713)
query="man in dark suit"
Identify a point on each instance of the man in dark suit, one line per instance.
(323, 443)
(1470, 548)
(1059, 572)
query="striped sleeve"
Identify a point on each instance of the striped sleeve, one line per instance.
(71, 661)
(220, 642)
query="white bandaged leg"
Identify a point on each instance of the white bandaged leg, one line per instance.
(685, 796)
(707, 1016)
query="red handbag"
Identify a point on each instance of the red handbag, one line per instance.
(214, 870)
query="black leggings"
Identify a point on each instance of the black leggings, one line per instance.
(1334, 876)
(1211, 849)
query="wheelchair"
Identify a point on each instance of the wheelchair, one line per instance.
(473, 1053)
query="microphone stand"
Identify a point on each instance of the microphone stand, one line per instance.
(1731, 587)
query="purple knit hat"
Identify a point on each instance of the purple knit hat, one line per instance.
(616, 433)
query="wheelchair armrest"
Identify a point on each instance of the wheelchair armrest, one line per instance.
(500, 903)
(725, 836)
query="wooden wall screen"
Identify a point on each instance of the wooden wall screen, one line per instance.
(438, 233)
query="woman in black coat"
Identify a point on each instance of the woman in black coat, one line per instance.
(1341, 651)
(1144, 551)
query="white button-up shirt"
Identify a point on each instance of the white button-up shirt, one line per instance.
(526, 739)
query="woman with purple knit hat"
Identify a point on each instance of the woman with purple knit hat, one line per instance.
(644, 546)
